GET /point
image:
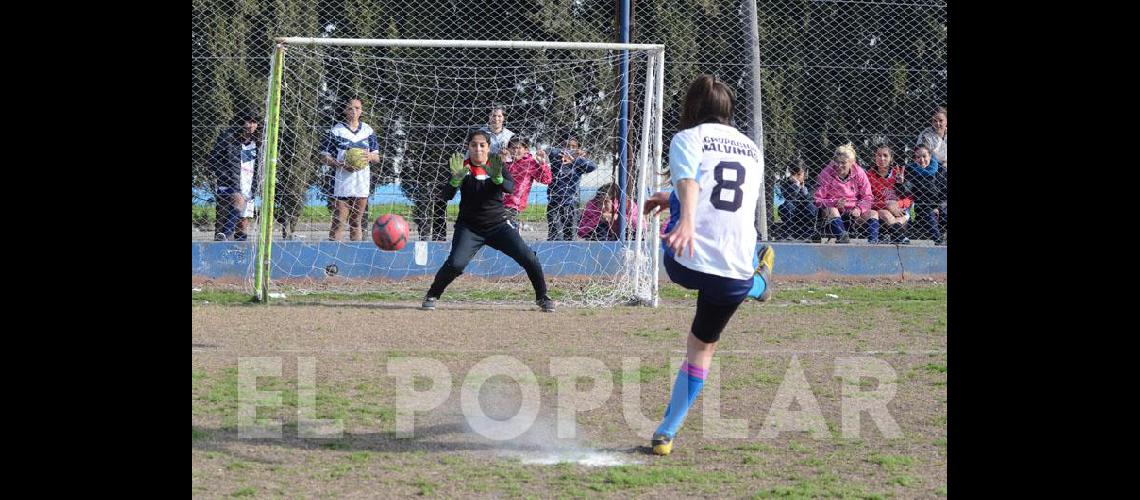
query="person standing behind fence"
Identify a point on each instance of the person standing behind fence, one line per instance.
(500, 135)
(233, 163)
(525, 170)
(351, 182)
(568, 165)
(934, 137)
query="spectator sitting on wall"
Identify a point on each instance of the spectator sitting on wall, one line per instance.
(843, 192)
(889, 190)
(796, 212)
(600, 216)
(929, 188)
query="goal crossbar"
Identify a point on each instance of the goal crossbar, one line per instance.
(471, 44)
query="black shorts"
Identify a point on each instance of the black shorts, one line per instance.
(717, 297)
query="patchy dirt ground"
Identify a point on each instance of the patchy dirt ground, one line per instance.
(815, 349)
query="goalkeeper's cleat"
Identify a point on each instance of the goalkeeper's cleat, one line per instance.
(429, 303)
(662, 444)
(767, 258)
(546, 303)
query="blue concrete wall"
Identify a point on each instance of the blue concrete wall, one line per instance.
(362, 259)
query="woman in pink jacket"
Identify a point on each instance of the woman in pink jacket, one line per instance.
(599, 218)
(843, 191)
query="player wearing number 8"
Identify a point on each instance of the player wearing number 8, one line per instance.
(715, 173)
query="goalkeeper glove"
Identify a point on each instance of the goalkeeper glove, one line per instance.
(458, 171)
(496, 170)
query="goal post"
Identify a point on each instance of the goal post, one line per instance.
(420, 98)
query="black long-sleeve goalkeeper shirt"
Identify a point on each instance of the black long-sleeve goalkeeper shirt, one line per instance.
(481, 201)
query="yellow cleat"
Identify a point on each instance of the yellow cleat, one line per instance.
(767, 258)
(662, 444)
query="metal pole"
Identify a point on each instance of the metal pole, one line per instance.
(757, 121)
(623, 121)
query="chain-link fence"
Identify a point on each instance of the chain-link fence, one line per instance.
(831, 72)
(865, 72)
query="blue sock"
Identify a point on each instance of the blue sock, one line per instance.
(873, 228)
(688, 385)
(837, 226)
(758, 284)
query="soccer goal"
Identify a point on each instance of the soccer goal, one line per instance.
(594, 110)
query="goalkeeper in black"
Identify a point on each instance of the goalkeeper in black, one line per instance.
(483, 220)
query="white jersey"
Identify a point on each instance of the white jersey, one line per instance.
(248, 158)
(339, 141)
(726, 166)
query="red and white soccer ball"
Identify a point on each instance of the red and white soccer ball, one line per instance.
(390, 232)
